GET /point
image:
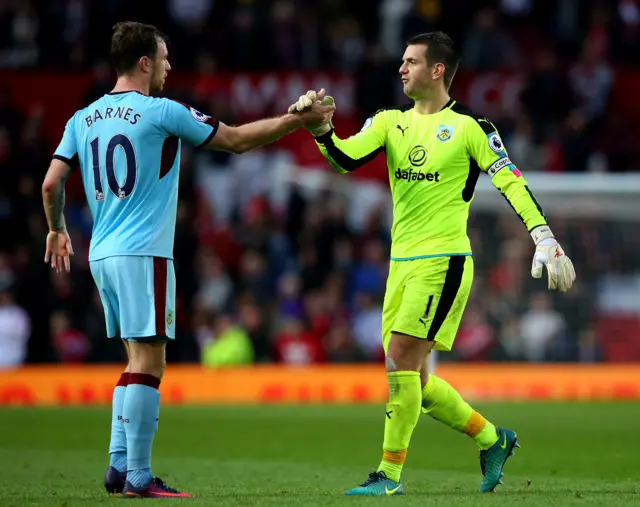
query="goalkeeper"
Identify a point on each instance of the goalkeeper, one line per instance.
(436, 149)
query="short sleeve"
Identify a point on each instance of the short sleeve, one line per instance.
(67, 150)
(187, 123)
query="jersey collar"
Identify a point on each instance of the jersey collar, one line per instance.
(125, 91)
(448, 104)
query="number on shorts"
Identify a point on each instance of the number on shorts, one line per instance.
(424, 318)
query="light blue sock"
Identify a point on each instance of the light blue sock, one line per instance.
(140, 412)
(118, 444)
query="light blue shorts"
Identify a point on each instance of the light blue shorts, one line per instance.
(138, 295)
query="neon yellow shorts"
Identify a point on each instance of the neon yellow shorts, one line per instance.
(426, 298)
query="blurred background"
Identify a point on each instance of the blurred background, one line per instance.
(279, 260)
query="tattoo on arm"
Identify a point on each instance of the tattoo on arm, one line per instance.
(54, 207)
(58, 208)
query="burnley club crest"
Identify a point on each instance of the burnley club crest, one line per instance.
(444, 133)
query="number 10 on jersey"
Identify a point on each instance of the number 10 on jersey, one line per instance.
(120, 191)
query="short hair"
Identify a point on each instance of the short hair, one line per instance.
(440, 49)
(131, 41)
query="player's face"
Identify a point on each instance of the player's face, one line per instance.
(416, 74)
(161, 68)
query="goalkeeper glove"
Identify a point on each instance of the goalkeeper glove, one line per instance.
(549, 253)
(306, 102)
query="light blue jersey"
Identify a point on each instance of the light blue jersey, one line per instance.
(128, 148)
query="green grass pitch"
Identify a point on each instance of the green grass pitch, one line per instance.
(572, 454)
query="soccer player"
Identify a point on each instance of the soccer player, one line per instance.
(436, 149)
(127, 144)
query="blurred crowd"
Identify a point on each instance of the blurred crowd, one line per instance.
(297, 283)
(316, 34)
(569, 51)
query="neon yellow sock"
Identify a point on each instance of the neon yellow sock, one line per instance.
(444, 404)
(402, 413)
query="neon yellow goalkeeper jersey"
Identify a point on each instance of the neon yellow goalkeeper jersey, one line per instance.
(434, 163)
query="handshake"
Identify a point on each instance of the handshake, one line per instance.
(316, 111)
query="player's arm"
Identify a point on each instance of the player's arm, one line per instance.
(201, 130)
(486, 148)
(59, 247)
(262, 132)
(53, 194)
(253, 135)
(64, 159)
(346, 155)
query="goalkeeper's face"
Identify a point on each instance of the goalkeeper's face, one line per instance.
(160, 68)
(418, 77)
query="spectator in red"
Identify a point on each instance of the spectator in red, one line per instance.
(70, 344)
(293, 345)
